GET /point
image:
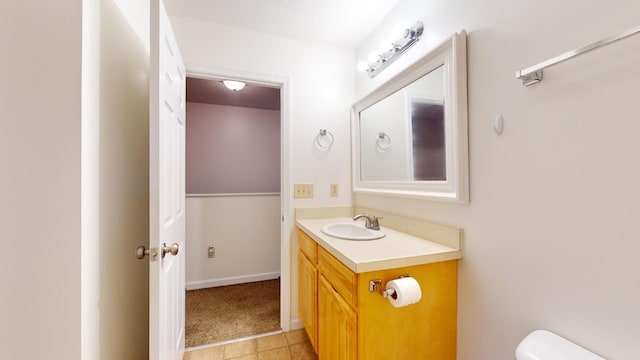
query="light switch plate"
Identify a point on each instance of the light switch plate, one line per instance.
(334, 190)
(302, 191)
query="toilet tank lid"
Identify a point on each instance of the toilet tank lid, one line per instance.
(545, 345)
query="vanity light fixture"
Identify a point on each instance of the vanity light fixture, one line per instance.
(234, 85)
(376, 64)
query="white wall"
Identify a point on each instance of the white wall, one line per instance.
(40, 179)
(245, 231)
(321, 92)
(73, 186)
(123, 188)
(90, 182)
(136, 12)
(550, 232)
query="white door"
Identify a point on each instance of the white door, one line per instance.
(167, 190)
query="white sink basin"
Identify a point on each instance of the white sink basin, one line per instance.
(352, 231)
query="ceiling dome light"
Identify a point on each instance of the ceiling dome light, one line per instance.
(234, 85)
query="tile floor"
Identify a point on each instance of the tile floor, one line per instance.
(293, 345)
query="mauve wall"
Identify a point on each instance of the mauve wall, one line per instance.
(232, 149)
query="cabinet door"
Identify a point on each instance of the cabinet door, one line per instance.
(337, 325)
(308, 297)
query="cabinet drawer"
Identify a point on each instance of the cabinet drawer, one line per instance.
(308, 246)
(341, 277)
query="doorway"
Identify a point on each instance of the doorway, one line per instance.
(236, 206)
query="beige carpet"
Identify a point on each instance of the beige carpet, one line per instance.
(230, 312)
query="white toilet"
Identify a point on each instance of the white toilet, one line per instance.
(545, 345)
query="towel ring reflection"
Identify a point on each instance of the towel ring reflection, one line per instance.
(383, 142)
(324, 133)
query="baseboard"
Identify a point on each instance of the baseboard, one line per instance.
(296, 324)
(194, 285)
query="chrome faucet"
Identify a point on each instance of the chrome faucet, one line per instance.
(369, 222)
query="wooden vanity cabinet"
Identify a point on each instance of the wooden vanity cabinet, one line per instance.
(308, 287)
(352, 323)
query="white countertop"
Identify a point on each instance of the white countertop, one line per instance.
(396, 249)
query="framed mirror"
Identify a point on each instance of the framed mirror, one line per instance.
(409, 136)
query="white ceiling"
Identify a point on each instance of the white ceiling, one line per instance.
(343, 23)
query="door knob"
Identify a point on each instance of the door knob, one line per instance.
(142, 251)
(173, 249)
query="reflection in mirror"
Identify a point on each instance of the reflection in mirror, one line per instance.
(412, 121)
(410, 134)
(427, 129)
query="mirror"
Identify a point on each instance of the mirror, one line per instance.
(410, 134)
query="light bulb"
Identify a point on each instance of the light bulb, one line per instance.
(400, 30)
(384, 46)
(362, 66)
(372, 58)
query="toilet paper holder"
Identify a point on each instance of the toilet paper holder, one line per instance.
(376, 285)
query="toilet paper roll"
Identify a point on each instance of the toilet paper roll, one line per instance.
(406, 291)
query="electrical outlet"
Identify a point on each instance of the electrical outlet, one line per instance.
(211, 251)
(303, 191)
(334, 189)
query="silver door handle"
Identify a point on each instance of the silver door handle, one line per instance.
(173, 249)
(142, 251)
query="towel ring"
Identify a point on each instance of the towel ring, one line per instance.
(383, 142)
(323, 133)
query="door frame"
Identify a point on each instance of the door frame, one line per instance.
(286, 196)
